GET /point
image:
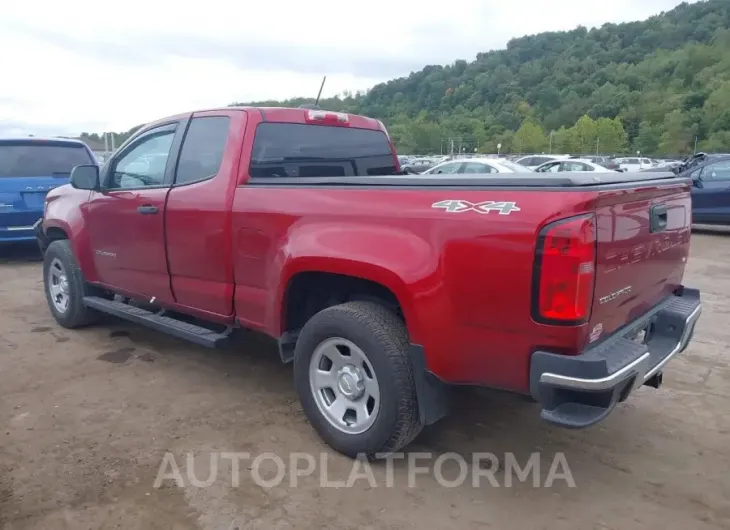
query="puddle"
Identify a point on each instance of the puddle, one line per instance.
(117, 356)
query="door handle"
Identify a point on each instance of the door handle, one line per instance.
(147, 209)
(658, 218)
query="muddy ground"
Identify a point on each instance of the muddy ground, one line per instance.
(87, 417)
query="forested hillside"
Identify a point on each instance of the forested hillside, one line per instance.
(654, 86)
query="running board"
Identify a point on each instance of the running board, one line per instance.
(159, 322)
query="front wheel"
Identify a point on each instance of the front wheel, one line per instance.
(355, 380)
(65, 287)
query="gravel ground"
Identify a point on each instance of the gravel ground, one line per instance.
(89, 415)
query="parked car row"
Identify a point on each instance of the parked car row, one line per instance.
(421, 165)
(476, 166)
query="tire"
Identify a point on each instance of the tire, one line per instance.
(59, 261)
(381, 336)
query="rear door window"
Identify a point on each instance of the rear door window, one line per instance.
(553, 167)
(446, 169)
(301, 150)
(475, 167)
(202, 149)
(575, 166)
(34, 158)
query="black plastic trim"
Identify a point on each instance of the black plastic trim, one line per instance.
(578, 181)
(581, 390)
(658, 218)
(40, 236)
(287, 342)
(160, 322)
(432, 393)
(536, 269)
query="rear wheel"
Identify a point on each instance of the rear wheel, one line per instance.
(65, 287)
(355, 379)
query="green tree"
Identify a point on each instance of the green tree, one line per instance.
(564, 141)
(677, 137)
(530, 137)
(647, 141)
(611, 136)
(585, 135)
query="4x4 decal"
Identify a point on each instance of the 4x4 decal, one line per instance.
(458, 206)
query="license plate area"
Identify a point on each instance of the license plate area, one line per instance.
(642, 335)
(34, 200)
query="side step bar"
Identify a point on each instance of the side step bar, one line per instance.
(159, 322)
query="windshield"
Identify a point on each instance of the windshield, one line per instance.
(517, 168)
(30, 158)
(299, 150)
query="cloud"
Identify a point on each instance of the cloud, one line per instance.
(75, 64)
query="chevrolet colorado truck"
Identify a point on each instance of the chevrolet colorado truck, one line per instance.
(384, 289)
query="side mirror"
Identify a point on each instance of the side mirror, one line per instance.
(85, 177)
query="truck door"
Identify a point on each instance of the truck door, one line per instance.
(198, 215)
(125, 219)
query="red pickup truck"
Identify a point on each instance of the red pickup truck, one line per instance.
(384, 289)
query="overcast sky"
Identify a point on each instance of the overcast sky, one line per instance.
(79, 65)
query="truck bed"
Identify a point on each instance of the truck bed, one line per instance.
(584, 180)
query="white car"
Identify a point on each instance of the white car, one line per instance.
(476, 166)
(634, 163)
(571, 164)
(534, 161)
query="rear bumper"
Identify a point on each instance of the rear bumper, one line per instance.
(9, 234)
(578, 391)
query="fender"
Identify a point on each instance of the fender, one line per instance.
(65, 208)
(394, 258)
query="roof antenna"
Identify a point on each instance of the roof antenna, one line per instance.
(315, 106)
(316, 103)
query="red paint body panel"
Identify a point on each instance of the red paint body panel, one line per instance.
(629, 255)
(463, 280)
(128, 248)
(199, 240)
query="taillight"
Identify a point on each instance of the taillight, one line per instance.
(565, 269)
(327, 118)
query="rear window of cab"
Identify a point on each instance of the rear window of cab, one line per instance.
(304, 150)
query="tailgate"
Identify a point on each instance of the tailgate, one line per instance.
(21, 199)
(643, 243)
